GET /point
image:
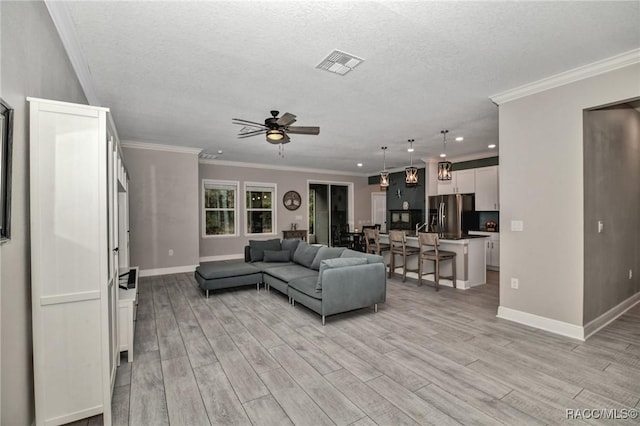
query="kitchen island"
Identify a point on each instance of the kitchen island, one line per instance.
(471, 267)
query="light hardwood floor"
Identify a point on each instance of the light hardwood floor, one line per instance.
(248, 357)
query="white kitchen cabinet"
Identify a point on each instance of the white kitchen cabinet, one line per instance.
(487, 189)
(462, 182)
(74, 165)
(493, 261)
(492, 245)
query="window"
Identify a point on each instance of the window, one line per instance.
(260, 208)
(220, 201)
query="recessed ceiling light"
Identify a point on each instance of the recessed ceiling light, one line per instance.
(359, 164)
(493, 145)
(219, 151)
(459, 139)
(443, 155)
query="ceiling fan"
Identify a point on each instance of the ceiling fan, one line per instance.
(276, 129)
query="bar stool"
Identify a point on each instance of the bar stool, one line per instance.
(398, 247)
(372, 241)
(430, 239)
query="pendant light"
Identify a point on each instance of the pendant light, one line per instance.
(384, 174)
(444, 167)
(411, 173)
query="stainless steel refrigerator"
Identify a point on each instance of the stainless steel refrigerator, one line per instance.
(452, 216)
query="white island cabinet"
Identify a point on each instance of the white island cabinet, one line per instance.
(471, 269)
(74, 167)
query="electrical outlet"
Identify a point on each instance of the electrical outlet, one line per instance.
(515, 283)
(170, 252)
(630, 273)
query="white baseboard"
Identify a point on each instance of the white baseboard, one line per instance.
(554, 326)
(167, 271)
(221, 257)
(611, 315)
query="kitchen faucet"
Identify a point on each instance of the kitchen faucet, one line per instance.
(419, 227)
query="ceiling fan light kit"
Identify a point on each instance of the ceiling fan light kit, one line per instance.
(275, 135)
(444, 167)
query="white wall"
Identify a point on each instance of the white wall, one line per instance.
(541, 183)
(34, 63)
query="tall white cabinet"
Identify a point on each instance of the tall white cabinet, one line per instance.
(75, 171)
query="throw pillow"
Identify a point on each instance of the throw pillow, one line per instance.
(326, 253)
(290, 244)
(276, 255)
(257, 248)
(337, 263)
(305, 254)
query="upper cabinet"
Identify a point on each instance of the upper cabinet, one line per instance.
(487, 189)
(462, 182)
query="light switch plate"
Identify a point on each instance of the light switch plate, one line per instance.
(600, 226)
(517, 225)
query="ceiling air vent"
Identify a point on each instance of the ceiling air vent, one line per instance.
(339, 62)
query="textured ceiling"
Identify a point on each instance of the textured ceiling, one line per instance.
(176, 73)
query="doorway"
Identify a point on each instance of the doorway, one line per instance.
(330, 211)
(379, 210)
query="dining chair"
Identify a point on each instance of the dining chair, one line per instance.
(398, 247)
(429, 251)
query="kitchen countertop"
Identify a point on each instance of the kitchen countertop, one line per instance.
(446, 237)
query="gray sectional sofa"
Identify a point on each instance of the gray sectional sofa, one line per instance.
(324, 279)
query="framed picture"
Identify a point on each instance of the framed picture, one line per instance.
(6, 139)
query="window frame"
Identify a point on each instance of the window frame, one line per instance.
(273, 209)
(236, 210)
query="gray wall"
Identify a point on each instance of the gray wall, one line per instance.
(612, 195)
(286, 180)
(542, 184)
(34, 63)
(163, 212)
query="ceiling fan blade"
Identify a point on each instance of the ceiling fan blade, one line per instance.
(286, 119)
(242, 122)
(248, 135)
(304, 130)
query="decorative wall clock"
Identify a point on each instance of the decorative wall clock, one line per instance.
(292, 200)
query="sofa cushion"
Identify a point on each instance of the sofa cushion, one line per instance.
(337, 263)
(305, 254)
(289, 273)
(290, 244)
(257, 248)
(326, 253)
(371, 258)
(276, 255)
(266, 265)
(306, 285)
(216, 270)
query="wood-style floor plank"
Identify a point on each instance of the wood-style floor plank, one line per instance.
(220, 400)
(148, 405)
(184, 401)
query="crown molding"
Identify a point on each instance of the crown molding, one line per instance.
(159, 147)
(67, 31)
(277, 167)
(596, 68)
